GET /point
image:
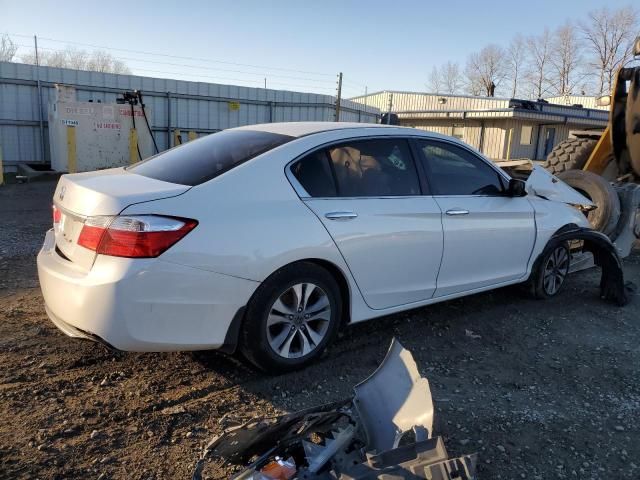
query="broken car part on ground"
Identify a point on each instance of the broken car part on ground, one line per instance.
(384, 432)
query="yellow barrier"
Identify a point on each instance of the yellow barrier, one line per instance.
(133, 146)
(192, 135)
(177, 137)
(72, 162)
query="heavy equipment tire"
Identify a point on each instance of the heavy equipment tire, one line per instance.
(604, 218)
(291, 318)
(571, 154)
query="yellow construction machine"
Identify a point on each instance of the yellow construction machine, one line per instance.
(605, 166)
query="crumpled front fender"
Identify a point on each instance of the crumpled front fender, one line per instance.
(605, 255)
(543, 184)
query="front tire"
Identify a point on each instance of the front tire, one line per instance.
(551, 270)
(291, 318)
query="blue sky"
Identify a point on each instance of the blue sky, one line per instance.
(378, 44)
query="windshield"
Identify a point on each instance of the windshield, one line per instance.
(201, 160)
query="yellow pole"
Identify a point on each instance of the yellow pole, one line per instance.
(509, 144)
(1, 168)
(72, 161)
(133, 146)
(192, 135)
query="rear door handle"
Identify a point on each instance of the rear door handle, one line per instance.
(341, 215)
(457, 211)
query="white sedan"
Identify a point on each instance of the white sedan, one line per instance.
(268, 238)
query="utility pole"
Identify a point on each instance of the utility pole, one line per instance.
(265, 82)
(390, 107)
(339, 97)
(42, 152)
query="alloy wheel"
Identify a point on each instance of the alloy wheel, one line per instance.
(298, 320)
(555, 270)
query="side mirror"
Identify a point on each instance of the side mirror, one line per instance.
(603, 101)
(516, 188)
(636, 47)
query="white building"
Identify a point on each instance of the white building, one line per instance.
(501, 128)
(586, 101)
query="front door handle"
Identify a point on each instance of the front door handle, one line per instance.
(341, 215)
(457, 211)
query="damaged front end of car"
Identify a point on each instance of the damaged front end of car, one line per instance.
(384, 432)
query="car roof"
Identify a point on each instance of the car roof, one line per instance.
(300, 129)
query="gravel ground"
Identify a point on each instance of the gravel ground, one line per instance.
(539, 389)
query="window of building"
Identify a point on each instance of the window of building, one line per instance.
(452, 170)
(526, 135)
(374, 168)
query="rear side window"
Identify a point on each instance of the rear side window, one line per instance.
(314, 174)
(201, 160)
(374, 168)
(452, 170)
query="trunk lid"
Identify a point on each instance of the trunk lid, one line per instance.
(105, 192)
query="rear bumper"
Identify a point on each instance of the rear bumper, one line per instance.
(140, 304)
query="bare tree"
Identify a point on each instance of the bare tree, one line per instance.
(446, 79)
(8, 49)
(540, 48)
(96, 61)
(485, 70)
(451, 77)
(434, 85)
(566, 59)
(77, 59)
(609, 36)
(516, 58)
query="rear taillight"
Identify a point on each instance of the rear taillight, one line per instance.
(140, 236)
(57, 214)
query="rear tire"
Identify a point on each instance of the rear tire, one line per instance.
(604, 218)
(572, 154)
(291, 318)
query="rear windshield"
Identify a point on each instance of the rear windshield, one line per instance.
(201, 160)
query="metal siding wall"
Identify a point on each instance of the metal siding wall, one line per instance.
(517, 149)
(445, 127)
(585, 100)
(404, 101)
(493, 143)
(19, 130)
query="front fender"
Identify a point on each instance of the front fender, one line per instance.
(605, 255)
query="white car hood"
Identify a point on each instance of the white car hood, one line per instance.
(545, 185)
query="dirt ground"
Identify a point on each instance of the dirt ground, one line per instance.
(539, 389)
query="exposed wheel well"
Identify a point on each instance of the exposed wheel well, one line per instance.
(231, 339)
(339, 277)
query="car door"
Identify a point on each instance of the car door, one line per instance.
(488, 235)
(368, 195)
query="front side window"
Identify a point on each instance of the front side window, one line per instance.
(205, 158)
(452, 170)
(374, 168)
